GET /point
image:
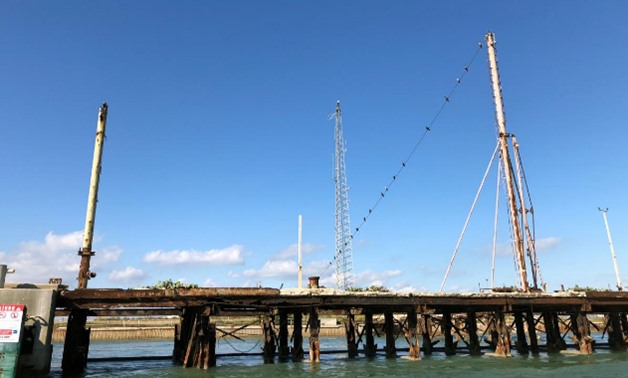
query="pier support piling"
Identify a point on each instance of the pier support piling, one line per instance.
(615, 334)
(426, 331)
(531, 323)
(315, 346)
(297, 337)
(503, 342)
(555, 342)
(370, 348)
(450, 346)
(521, 344)
(284, 348)
(582, 332)
(389, 328)
(76, 346)
(472, 328)
(269, 349)
(201, 340)
(350, 332)
(411, 335)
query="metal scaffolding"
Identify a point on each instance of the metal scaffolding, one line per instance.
(344, 259)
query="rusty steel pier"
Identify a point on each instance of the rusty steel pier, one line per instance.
(463, 321)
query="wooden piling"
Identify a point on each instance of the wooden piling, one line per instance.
(450, 347)
(350, 332)
(269, 348)
(582, 332)
(211, 342)
(370, 348)
(411, 335)
(389, 328)
(531, 323)
(182, 334)
(555, 342)
(472, 328)
(503, 335)
(426, 332)
(297, 337)
(315, 346)
(521, 344)
(615, 334)
(200, 350)
(284, 348)
(76, 346)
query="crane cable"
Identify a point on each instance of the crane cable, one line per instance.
(466, 223)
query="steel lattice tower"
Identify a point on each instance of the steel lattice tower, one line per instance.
(344, 260)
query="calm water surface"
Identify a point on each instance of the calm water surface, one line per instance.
(602, 363)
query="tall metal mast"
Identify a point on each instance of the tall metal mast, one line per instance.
(344, 259)
(610, 242)
(507, 163)
(300, 254)
(86, 252)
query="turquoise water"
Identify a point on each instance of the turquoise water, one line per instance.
(602, 363)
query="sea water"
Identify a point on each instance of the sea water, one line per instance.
(602, 363)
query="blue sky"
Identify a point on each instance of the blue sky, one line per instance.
(218, 138)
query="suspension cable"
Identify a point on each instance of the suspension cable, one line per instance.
(427, 129)
(466, 223)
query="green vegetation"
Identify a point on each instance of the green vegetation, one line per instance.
(170, 284)
(372, 288)
(586, 288)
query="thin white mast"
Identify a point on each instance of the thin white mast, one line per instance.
(610, 242)
(299, 249)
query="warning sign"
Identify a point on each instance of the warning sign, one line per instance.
(11, 322)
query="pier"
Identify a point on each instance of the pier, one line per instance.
(468, 323)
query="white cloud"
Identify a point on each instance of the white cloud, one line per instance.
(36, 261)
(108, 255)
(548, 243)
(209, 283)
(292, 251)
(126, 275)
(226, 256)
(274, 269)
(369, 278)
(56, 256)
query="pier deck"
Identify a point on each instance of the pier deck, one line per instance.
(463, 320)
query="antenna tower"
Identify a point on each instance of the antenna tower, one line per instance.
(344, 259)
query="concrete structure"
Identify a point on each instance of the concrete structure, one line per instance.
(40, 302)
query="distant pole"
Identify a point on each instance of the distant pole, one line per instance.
(507, 162)
(610, 242)
(299, 249)
(86, 252)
